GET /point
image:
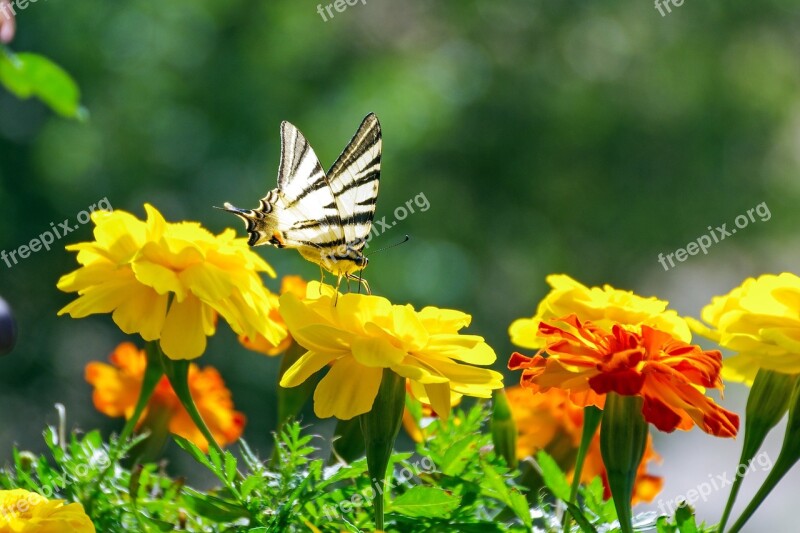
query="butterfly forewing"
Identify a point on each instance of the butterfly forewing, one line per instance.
(354, 179)
(309, 215)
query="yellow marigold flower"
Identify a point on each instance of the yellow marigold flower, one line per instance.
(669, 374)
(117, 387)
(170, 281)
(297, 286)
(363, 334)
(22, 511)
(550, 421)
(604, 306)
(760, 321)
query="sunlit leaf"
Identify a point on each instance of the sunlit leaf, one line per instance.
(29, 75)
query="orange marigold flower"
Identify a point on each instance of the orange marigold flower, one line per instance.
(669, 374)
(117, 387)
(550, 421)
(295, 285)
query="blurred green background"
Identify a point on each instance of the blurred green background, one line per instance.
(572, 137)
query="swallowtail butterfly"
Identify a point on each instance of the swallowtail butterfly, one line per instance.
(327, 217)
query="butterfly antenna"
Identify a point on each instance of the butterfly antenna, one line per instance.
(405, 240)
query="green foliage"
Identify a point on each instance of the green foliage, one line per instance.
(454, 482)
(27, 75)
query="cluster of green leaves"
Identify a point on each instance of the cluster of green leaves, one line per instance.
(454, 482)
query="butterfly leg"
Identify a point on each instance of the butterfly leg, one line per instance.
(338, 283)
(361, 281)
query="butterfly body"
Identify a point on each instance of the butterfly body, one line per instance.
(327, 217)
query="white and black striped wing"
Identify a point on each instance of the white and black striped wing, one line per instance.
(309, 213)
(354, 180)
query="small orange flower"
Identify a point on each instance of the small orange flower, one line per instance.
(117, 387)
(669, 374)
(550, 421)
(295, 285)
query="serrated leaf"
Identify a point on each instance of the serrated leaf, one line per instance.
(189, 447)
(213, 507)
(457, 456)
(230, 467)
(249, 485)
(684, 518)
(554, 478)
(425, 502)
(593, 493)
(577, 514)
(663, 525)
(27, 75)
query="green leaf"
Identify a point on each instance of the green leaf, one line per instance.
(230, 467)
(458, 456)
(684, 518)
(189, 447)
(249, 485)
(663, 525)
(27, 75)
(577, 515)
(494, 485)
(425, 502)
(213, 507)
(553, 477)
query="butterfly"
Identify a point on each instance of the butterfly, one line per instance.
(327, 217)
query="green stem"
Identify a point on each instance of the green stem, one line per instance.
(504, 429)
(623, 438)
(380, 427)
(767, 402)
(788, 456)
(591, 419)
(177, 372)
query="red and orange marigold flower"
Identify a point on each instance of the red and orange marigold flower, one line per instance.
(669, 374)
(117, 387)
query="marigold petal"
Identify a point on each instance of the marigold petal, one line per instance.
(347, 390)
(183, 335)
(376, 353)
(102, 297)
(308, 364)
(142, 312)
(468, 348)
(438, 320)
(323, 338)
(162, 279)
(439, 398)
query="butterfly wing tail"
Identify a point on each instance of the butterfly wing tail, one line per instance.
(261, 226)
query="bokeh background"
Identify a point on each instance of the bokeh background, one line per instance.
(573, 137)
